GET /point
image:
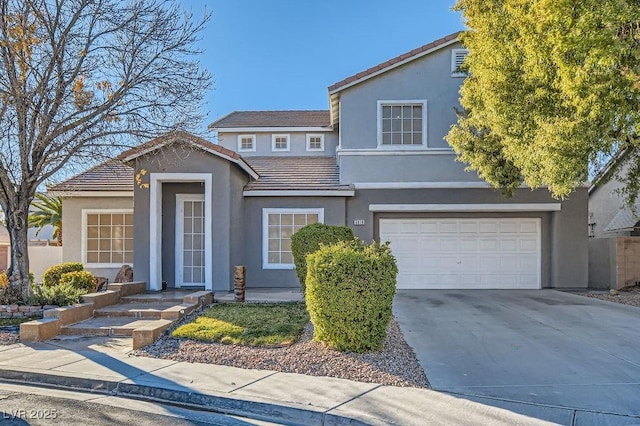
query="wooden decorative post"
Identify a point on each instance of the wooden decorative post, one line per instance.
(239, 275)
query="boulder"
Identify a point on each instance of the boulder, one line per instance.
(124, 275)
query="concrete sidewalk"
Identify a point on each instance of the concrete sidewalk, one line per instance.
(101, 365)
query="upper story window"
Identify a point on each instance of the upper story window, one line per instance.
(402, 123)
(457, 60)
(246, 143)
(315, 142)
(280, 143)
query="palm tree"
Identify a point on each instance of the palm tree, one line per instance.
(47, 211)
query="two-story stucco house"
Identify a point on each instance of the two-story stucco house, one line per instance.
(185, 210)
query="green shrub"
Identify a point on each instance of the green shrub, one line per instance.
(350, 289)
(61, 295)
(52, 275)
(308, 239)
(83, 280)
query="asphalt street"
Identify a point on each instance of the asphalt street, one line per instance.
(30, 405)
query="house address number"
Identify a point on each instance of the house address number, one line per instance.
(358, 222)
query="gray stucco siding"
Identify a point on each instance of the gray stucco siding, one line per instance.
(427, 78)
(224, 178)
(72, 212)
(564, 234)
(404, 168)
(169, 192)
(334, 214)
(297, 143)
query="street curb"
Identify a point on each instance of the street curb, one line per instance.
(258, 410)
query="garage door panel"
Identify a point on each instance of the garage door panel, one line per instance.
(467, 244)
(486, 253)
(468, 228)
(487, 244)
(510, 244)
(529, 244)
(448, 245)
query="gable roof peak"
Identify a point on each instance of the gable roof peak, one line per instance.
(394, 62)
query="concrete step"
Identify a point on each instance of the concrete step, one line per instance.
(114, 326)
(175, 296)
(135, 309)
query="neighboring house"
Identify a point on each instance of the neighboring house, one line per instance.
(36, 257)
(185, 210)
(5, 248)
(44, 236)
(614, 255)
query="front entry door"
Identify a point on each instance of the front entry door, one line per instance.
(190, 252)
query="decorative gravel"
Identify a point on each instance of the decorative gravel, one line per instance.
(8, 336)
(627, 296)
(394, 365)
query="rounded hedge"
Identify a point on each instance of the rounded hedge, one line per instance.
(81, 280)
(53, 274)
(350, 289)
(308, 239)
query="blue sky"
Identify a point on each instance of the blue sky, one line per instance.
(283, 54)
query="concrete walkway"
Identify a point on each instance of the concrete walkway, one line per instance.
(543, 353)
(101, 365)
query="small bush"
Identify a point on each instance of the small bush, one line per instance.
(83, 280)
(12, 295)
(350, 289)
(308, 239)
(61, 295)
(52, 275)
(4, 279)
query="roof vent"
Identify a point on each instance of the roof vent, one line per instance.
(457, 60)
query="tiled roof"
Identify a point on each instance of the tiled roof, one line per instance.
(112, 175)
(311, 118)
(295, 173)
(393, 61)
(173, 137)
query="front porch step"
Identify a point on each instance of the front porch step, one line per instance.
(135, 309)
(165, 296)
(114, 326)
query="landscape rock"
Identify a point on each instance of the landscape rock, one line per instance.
(124, 275)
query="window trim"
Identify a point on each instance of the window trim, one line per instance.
(423, 103)
(315, 135)
(253, 143)
(454, 69)
(280, 135)
(265, 231)
(83, 236)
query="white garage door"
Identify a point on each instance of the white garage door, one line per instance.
(465, 253)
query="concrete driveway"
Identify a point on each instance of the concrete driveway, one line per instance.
(546, 348)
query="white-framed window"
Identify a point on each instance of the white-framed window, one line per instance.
(280, 143)
(246, 143)
(457, 59)
(402, 124)
(315, 142)
(107, 237)
(278, 225)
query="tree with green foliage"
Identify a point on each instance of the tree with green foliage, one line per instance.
(47, 211)
(81, 80)
(553, 86)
